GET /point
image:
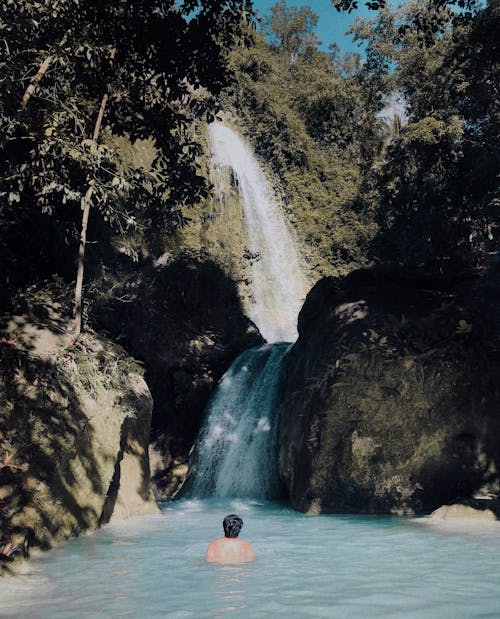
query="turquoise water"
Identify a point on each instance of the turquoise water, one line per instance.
(307, 566)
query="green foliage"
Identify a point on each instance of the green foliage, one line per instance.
(155, 61)
(375, 5)
(291, 30)
(418, 190)
(437, 190)
(311, 117)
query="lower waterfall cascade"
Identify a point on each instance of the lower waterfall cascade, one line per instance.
(236, 453)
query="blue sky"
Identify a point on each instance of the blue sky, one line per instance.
(331, 24)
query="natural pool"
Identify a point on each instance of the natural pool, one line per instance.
(325, 566)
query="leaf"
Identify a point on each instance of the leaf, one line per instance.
(463, 327)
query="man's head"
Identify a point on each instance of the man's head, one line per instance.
(232, 525)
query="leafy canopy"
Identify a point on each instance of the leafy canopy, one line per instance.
(159, 63)
(437, 191)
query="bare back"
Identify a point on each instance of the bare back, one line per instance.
(229, 550)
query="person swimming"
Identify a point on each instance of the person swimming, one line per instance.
(230, 549)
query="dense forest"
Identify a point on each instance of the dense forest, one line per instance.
(365, 183)
(99, 116)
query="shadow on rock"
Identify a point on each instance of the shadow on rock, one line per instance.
(65, 429)
(185, 322)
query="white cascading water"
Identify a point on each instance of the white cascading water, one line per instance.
(278, 282)
(236, 452)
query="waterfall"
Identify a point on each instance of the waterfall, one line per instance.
(278, 284)
(236, 452)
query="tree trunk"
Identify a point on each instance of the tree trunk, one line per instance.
(42, 69)
(86, 202)
(81, 259)
(83, 234)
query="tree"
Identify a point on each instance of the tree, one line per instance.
(76, 73)
(437, 188)
(291, 30)
(313, 121)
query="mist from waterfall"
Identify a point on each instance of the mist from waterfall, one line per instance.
(278, 282)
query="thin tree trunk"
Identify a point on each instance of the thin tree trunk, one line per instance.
(81, 261)
(85, 218)
(42, 69)
(86, 202)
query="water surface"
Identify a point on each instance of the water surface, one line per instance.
(326, 566)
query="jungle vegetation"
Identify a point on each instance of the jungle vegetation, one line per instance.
(364, 183)
(99, 100)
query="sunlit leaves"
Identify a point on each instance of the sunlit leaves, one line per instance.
(151, 58)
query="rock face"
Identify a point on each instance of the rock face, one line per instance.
(392, 395)
(74, 428)
(184, 321)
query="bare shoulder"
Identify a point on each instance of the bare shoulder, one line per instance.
(211, 554)
(248, 549)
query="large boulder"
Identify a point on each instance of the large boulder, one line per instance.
(74, 430)
(393, 394)
(458, 511)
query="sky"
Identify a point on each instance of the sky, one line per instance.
(331, 24)
(331, 28)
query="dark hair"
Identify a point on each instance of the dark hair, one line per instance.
(232, 525)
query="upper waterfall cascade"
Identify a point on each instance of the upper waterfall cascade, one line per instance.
(278, 282)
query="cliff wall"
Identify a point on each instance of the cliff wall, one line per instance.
(183, 319)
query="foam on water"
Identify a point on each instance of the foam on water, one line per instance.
(278, 283)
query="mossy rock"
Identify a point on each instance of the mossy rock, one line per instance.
(393, 395)
(74, 429)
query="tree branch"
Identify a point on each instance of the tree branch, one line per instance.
(42, 69)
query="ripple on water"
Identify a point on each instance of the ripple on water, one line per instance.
(326, 566)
